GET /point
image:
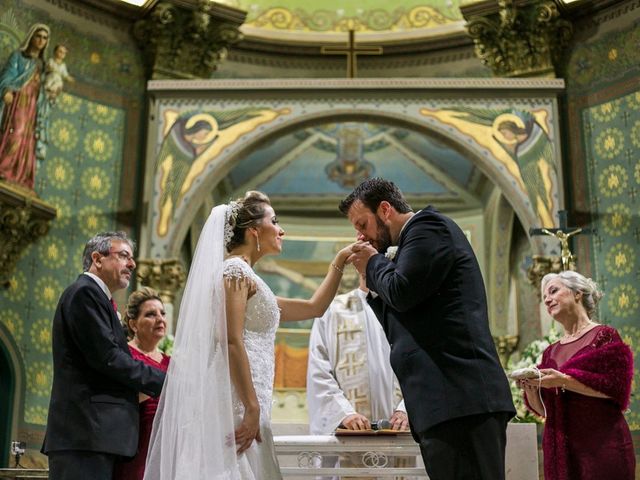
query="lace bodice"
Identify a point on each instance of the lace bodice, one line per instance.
(261, 321)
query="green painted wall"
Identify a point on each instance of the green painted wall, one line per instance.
(86, 176)
(603, 145)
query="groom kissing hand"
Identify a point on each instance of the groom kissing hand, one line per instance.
(427, 291)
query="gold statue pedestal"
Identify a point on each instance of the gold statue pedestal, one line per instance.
(24, 218)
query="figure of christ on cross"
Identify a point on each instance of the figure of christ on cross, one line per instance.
(351, 51)
(562, 233)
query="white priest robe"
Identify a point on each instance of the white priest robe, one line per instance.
(349, 369)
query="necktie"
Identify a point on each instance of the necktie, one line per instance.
(114, 305)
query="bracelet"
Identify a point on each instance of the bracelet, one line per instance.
(337, 268)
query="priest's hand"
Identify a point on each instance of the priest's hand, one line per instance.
(355, 421)
(399, 420)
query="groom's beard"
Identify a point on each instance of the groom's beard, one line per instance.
(383, 239)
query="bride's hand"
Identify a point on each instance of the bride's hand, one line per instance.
(248, 430)
(343, 255)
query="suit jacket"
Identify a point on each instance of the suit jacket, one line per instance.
(432, 305)
(94, 398)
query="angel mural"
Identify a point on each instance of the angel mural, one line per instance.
(520, 141)
(192, 141)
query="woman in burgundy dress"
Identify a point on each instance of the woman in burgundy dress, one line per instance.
(584, 388)
(145, 318)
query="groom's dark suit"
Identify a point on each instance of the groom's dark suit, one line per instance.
(432, 305)
(94, 398)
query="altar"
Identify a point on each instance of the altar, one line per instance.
(300, 454)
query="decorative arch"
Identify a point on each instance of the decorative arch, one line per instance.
(462, 113)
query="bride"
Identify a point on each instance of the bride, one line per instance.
(213, 419)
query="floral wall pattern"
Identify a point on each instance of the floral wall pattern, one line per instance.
(85, 176)
(612, 155)
(603, 131)
(80, 178)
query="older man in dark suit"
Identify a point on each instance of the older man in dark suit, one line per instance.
(93, 412)
(429, 296)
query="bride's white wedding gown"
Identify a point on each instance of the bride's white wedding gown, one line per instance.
(262, 317)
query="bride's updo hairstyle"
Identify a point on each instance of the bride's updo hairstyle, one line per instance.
(248, 212)
(577, 282)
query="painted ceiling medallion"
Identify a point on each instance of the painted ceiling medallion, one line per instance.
(349, 168)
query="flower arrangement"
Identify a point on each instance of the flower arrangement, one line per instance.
(166, 344)
(391, 252)
(531, 356)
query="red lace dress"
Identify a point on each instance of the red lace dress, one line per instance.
(587, 438)
(134, 469)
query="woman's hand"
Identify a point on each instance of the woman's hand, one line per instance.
(523, 385)
(550, 378)
(248, 430)
(343, 255)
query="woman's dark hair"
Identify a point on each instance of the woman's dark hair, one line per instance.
(250, 212)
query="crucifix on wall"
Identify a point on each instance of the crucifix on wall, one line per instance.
(563, 233)
(351, 51)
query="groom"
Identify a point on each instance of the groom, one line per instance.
(427, 291)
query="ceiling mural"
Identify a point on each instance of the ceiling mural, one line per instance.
(308, 150)
(266, 17)
(327, 161)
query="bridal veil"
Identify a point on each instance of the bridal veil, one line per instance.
(193, 431)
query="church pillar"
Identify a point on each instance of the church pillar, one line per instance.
(164, 276)
(24, 218)
(502, 317)
(187, 38)
(518, 38)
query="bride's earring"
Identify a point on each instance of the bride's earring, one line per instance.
(258, 243)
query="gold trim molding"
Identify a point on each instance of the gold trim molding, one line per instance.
(24, 218)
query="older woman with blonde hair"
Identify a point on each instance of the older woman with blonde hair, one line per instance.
(145, 320)
(583, 388)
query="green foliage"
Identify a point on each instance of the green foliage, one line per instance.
(166, 344)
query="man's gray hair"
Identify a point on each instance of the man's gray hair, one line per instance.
(101, 243)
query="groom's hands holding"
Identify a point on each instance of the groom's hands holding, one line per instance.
(361, 253)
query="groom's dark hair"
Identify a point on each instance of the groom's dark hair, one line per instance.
(373, 191)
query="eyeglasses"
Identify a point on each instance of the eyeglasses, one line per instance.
(123, 255)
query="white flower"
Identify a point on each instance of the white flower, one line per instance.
(391, 252)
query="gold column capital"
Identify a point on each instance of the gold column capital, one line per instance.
(166, 276)
(24, 218)
(187, 38)
(518, 38)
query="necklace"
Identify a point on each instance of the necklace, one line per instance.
(578, 331)
(148, 353)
